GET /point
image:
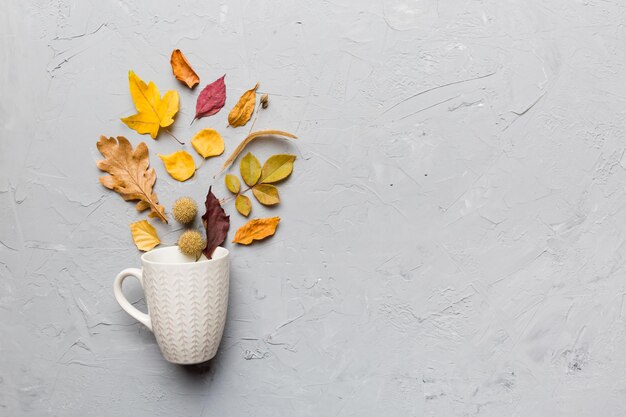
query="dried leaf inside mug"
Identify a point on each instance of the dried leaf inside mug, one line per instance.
(241, 113)
(216, 223)
(144, 235)
(256, 229)
(129, 173)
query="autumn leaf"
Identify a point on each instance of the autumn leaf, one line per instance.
(129, 173)
(256, 229)
(250, 169)
(144, 235)
(232, 183)
(153, 111)
(179, 165)
(243, 205)
(216, 223)
(241, 113)
(182, 69)
(277, 167)
(208, 142)
(250, 138)
(211, 98)
(267, 194)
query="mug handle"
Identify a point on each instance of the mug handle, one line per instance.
(140, 316)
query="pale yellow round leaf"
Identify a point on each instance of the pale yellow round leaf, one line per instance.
(243, 205)
(250, 169)
(208, 142)
(266, 194)
(179, 165)
(144, 235)
(277, 167)
(232, 183)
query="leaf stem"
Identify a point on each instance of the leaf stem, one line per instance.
(175, 138)
(228, 199)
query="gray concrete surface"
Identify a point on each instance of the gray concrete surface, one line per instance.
(453, 235)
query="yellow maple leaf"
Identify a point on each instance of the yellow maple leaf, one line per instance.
(153, 112)
(144, 235)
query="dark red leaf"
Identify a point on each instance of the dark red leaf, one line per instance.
(211, 98)
(216, 223)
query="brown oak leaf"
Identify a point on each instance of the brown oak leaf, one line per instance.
(130, 175)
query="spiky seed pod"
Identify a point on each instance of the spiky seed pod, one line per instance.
(191, 243)
(185, 210)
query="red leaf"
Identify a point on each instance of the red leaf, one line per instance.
(211, 98)
(216, 223)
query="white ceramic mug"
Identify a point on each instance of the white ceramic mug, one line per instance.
(187, 301)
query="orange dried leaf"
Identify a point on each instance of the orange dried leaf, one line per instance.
(256, 229)
(182, 69)
(129, 173)
(241, 113)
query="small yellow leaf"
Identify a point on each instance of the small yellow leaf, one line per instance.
(243, 205)
(250, 169)
(241, 113)
(232, 183)
(179, 165)
(208, 142)
(256, 229)
(144, 235)
(153, 111)
(277, 167)
(267, 194)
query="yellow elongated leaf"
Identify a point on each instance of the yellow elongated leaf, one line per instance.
(267, 194)
(256, 229)
(208, 142)
(243, 205)
(241, 113)
(252, 136)
(250, 169)
(232, 183)
(144, 235)
(277, 167)
(153, 112)
(179, 165)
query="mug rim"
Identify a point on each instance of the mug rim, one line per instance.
(225, 254)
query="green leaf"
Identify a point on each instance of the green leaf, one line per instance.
(277, 167)
(250, 169)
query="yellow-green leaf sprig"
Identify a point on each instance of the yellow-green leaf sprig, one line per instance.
(259, 179)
